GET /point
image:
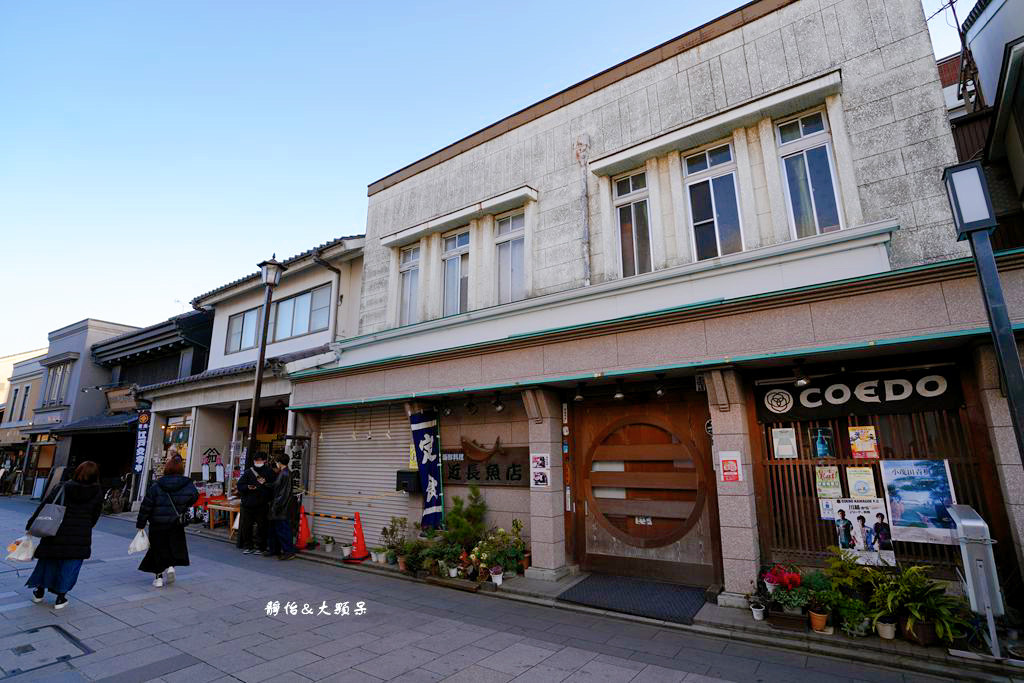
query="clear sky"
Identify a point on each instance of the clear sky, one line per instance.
(151, 151)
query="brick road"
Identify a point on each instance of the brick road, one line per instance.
(211, 625)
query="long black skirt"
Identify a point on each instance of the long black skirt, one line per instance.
(167, 548)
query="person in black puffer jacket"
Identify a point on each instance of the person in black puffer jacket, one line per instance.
(60, 557)
(281, 532)
(255, 488)
(169, 496)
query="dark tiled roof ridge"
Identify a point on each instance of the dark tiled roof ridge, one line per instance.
(140, 330)
(290, 259)
(979, 7)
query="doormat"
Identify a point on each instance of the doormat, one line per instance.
(651, 599)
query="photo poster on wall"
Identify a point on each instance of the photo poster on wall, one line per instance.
(919, 493)
(862, 529)
(861, 482)
(784, 443)
(863, 443)
(540, 470)
(822, 442)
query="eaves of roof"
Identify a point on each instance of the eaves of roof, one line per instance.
(277, 362)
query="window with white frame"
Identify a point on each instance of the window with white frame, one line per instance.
(809, 173)
(24, 401)
(242, 331)
(57, 378)
(634, 228)
(714, 210)
(511, 270)
(301, 314)
(456, 272)
(409, 276)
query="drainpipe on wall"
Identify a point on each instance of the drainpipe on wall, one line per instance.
(582, 149)
(336, 284)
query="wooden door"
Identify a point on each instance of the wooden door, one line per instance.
(645, 490)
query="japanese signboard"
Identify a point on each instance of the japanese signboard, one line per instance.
(508, 467)
(141, 439)
(121, 400)
(427, 442)
(860, 394)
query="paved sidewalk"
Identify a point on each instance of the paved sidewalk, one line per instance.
(211, 625)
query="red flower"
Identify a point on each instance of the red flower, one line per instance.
(791, 580)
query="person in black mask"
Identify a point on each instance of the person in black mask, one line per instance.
(255, 488)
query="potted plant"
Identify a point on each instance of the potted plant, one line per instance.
(854, 617)
(820, 604)
(452, 556)
(392, 557)
(934, 616)
(497, 575)
(792, 601)
(885, 603)
(773, 577)
(328, 544)
(757, 608)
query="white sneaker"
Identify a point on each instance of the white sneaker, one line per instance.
(158, 582)
(169, 575)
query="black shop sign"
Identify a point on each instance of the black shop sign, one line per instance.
(860, 394)
(507, 468)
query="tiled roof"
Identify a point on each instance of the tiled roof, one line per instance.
(979, 7)
(142, 330)
(116, 422)
(240, 368)
(287, 261)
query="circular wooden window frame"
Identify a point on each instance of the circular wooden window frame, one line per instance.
(698, 505)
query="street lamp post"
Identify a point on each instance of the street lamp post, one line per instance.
(270, 272)
(975, 219)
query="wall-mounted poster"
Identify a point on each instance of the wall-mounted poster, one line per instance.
(822, 445)
(861, 481)
(862, 528)
(827, 508)
(919, 493)
(540, 472)
(784, 443)
(730, 466)
(826, 481)
(863, 443)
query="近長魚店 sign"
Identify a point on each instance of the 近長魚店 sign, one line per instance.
(860, 394)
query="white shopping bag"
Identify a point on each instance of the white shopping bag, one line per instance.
(235, 525)
(25, 550)
(140, 543)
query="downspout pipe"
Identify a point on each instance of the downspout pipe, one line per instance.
(582, 151)
(336, 285)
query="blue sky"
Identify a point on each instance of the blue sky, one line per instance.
(150, 151)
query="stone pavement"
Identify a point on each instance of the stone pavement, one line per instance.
(212, 625)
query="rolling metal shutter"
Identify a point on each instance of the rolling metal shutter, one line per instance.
(351, 467)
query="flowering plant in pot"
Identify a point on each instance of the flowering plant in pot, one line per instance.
(496, 574)
(793, 600)
(773, 577)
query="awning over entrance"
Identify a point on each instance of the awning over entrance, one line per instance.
(121, 422)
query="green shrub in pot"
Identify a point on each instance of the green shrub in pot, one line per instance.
(793, 600)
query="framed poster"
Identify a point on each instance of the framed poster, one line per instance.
(918, 493)
(822, 443)
(730, 466)
(784, 443)
(861, 482)
(826, 481)
(861, 529)
(540, 470)
(863, 442)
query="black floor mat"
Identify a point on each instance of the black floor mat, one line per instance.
(651, 599)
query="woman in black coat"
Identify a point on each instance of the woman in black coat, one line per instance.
(60, 557)
(168, 497)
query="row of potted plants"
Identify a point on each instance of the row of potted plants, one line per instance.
(860, 598)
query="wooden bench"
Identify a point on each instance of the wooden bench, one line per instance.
(232, 510)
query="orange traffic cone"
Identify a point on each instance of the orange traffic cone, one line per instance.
(304, 534)
(359, 553)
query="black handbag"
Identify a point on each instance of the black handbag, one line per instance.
(183, 518)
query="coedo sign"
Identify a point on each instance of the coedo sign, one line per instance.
(860, 394)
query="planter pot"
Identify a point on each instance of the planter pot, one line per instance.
(497, 578)
(346, 550)
(374, 556)
(922, 634)
(797, 611)
(818, 621)
(328, 547)
(401, 563)
(770, 587)
(525, 563)
(758, 612)
(787, 622)
(886, 630)
(453, 572)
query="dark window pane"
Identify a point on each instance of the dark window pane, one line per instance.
(464, 282)
(720, 155)
(813, 124)
(696, 163)
(643, 238)
(639, 181)
(821, 186)
(626, 239)
(700, 202)
(727, 216)
(621, 187)
(800, 195)
(704, 238)
(788, 132)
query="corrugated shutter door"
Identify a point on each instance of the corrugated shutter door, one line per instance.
(351, 467)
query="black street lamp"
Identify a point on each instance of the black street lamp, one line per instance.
(975, 220)
(270, 273)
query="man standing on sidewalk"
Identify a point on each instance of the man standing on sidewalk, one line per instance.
(255, 488)
(280, 537)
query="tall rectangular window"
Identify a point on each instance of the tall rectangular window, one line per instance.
(301, 314)
(511, 268)
(714, 213)
(634, 228)
(57, 379)
(24, 401)
(805, 148)
(409, 274)
(242, 330)
(456, 273)
(11, 407)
